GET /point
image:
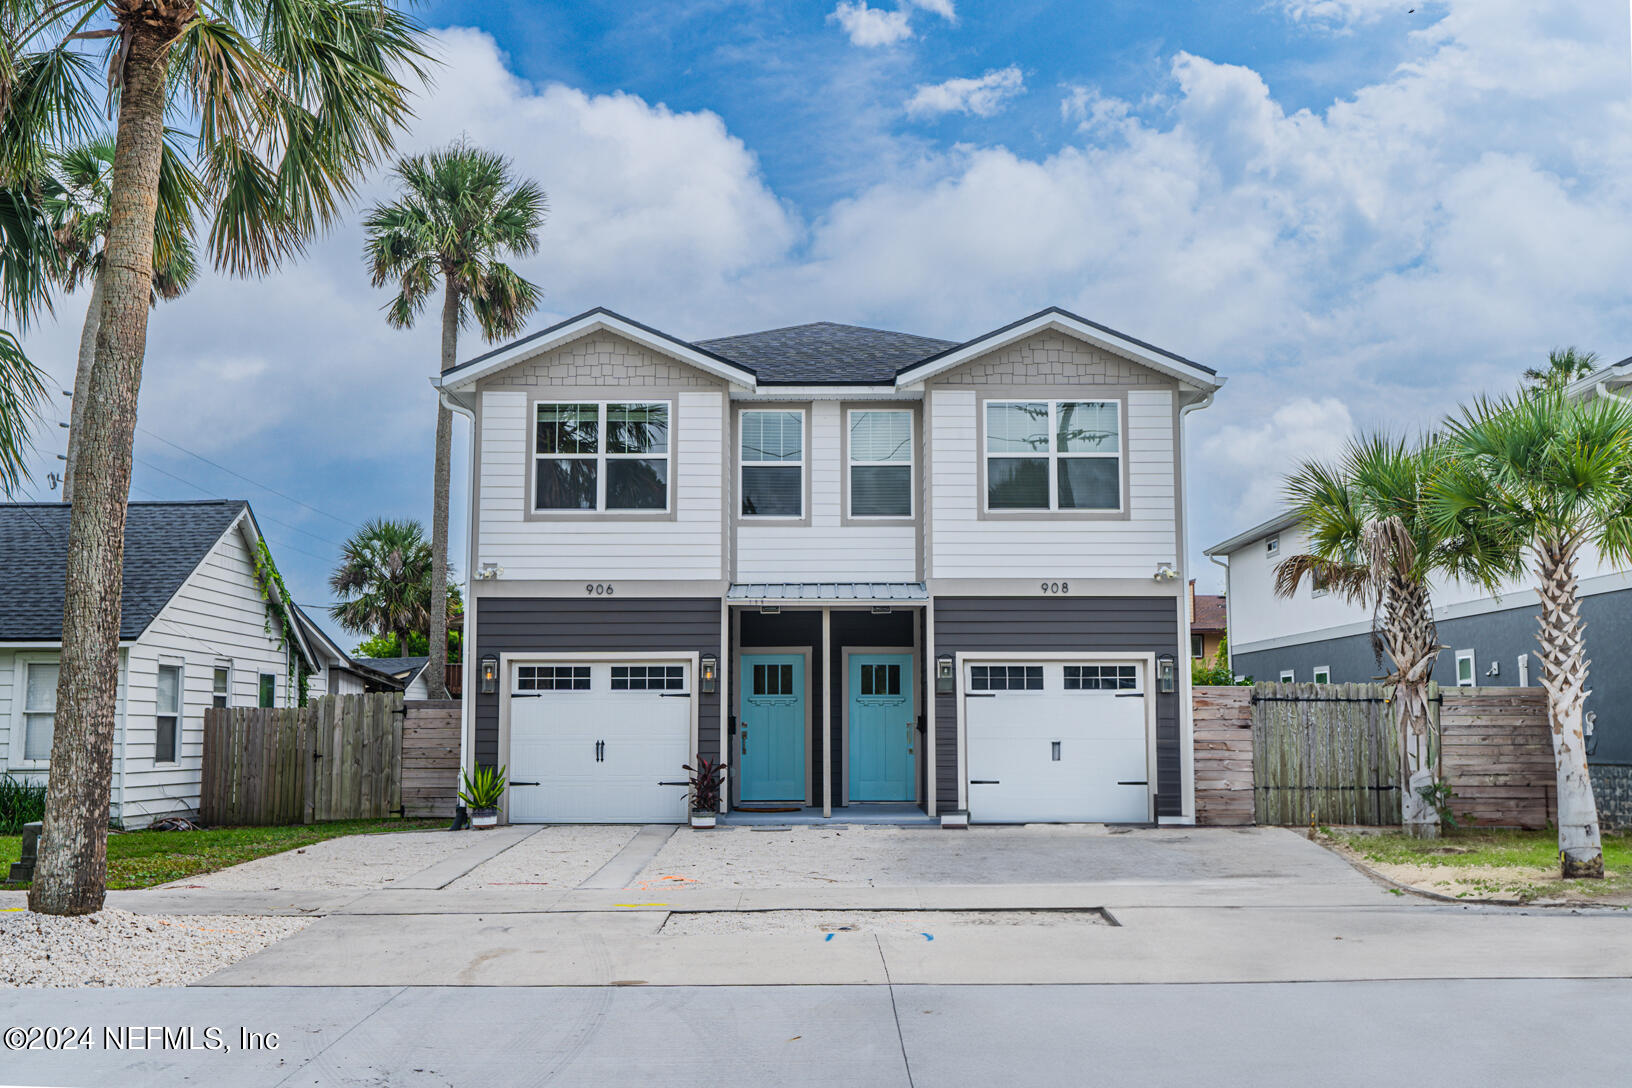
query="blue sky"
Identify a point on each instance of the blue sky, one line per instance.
(1360, 211)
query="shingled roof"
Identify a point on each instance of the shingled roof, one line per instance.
(164, 543)
(824, 352)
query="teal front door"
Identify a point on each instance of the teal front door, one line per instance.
(771, 728)
(883, 728)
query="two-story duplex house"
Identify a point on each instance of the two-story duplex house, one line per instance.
(861, 567)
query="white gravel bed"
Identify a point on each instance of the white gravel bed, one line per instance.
(911, 922)
(559, 856)
(118, 948)
(799, 857)
(351, 861)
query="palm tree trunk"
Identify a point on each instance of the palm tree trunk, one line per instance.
(82, 384)
(1414, 646)
(72, 873)
(436, 673)
(1564, 675)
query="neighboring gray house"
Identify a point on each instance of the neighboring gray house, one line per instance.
(405, 673)
(862, 567)
(195, 632)
(335, 672)
(1490, 641)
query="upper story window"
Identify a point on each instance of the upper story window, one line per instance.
(880, 463)
(1053, 455)
(600, 455)
(773, 463)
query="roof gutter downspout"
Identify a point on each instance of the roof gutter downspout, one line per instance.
(467, 699)
(1187, 719)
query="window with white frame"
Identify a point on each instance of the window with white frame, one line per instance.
(1288, 676)
(1465, 675)
(601, 456)
(880, 463)
(268, 689)
(1323, 674)
(39, 709)
(167, 717)
(1053, 455)
(221, 686)
(1272, 546)
(773, 462)
(1198, 646)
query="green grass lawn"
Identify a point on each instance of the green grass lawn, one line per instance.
(141, 859)
(1489, 863)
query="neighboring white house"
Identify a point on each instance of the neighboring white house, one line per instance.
(196, 631)
(858, 566)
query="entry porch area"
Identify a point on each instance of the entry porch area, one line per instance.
(825, 714)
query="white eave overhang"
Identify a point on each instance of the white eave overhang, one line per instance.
(1256, 533)
(462, 379)
(1186, 372)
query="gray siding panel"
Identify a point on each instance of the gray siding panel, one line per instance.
(1498, 637)
(1043, 624)
(630, 624)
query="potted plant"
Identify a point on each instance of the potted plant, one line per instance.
(706, 779)
(482, 793)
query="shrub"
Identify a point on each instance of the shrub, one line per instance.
(20, 803)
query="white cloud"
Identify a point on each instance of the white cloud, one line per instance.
(1345, 14)
(871, 26)
(1249, 459)
(943, 8)
(982, 97)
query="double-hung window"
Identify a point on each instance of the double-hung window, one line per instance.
(773, 463)
(39, 710)
(602, 456)
(880, 463)
(268, 690)
(167, 720)
(221, 686)
(1053, 455)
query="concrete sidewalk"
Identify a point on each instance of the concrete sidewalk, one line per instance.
(1335, 1035)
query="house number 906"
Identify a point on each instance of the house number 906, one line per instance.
(598, 589)
(1056, 587)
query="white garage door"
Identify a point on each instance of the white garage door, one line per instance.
(1057, 741)
(599, 742)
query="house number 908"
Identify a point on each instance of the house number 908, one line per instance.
(598, 589)
(1056, 587)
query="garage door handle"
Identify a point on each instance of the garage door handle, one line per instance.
(675, 695)
(525, 783)
(980, 695)
(526, 695)
(1130, 695)
(985, 782)
(1133, 783)
(674, 783)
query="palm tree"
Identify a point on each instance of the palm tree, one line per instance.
(1546, 476)
(459, 211)
(28, 260)
(1564, 366)
(293, 100)
(84, 176)
(1372, 540)
(384, 581)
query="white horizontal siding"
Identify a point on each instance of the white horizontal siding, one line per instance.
(826, 549)
(219, 615)
(689, 546)
(966, 546)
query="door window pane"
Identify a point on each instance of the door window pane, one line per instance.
(39, 710)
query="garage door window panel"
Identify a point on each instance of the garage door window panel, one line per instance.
(552, 678)
(1005, 678)
(648, 678)
(1101, 678)
(1053, 455)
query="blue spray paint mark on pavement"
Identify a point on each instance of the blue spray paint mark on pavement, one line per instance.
(927, 937)
(829, 937)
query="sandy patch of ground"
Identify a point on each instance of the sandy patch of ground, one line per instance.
(561, 856)
(1475, 883)
(354, 861)
(913, 922)
(118, 948)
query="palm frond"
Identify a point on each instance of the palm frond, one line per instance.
(22, 391)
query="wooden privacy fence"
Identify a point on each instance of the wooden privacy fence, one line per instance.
(1495, 754)
(340, 757)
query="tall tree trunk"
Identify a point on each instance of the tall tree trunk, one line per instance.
(1564, 675)
(1414, 646)
(82, 383)
(72, 873)
(436, 673)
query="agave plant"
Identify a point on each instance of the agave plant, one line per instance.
(485, 788)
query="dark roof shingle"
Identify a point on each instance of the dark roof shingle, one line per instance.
(164, 542)
(825, 352)
(1211, 614)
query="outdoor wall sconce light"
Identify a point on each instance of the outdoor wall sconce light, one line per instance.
(882, 610)
(490, 673)
(1165, 572)
(1164, 674)
(710, 672)
(770, 610)
(489, 572)
(944, 674)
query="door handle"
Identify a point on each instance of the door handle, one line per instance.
(744, 738)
